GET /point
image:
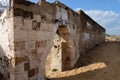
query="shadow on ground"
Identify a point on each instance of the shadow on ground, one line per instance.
(100, 63)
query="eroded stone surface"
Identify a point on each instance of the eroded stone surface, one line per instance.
(29, 32)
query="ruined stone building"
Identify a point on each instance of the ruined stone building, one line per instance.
(29, 32)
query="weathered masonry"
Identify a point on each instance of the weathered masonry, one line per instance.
(29, 32)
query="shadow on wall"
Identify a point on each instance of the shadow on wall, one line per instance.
(5, 65)
(88, 58)
(65, 46)
(61, 51)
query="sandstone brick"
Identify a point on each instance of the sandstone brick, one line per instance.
(19, 68)
(40, 50)
(23, 13)
(41, 36)
(26, 66)
(27, 24)
(17, 46)
(51, 27)
(44, 26)
(18, 60)
(37, 70)
(41, 44)
(34, 51)
(18, 23)
(32, 36)
(37, 17)
(30, 45)
(43, 18)
(20, 35)
(36, 25)
(31, 73)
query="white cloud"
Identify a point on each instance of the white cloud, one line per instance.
(108, 19)
(103, 17)
(4, 2)
(78, 9)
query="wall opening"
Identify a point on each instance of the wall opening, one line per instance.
(64, 47)
(59, 58)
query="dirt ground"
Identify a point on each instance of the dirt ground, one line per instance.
(100, 63)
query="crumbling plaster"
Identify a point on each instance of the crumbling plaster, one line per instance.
(29, 32)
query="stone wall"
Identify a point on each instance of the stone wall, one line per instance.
(33, 31)
(6, 39)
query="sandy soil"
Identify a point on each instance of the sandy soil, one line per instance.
(100, 63)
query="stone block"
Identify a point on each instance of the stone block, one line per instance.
(23, 13)
(41, 44)
(31, 73)
(32, 36)
(18, 60)
(21, 76)
(51, 27)
(37, 17)
(19, 68)
(20, 35)
(18, 23)
(30, 45)
(36, 25)
(26, 66)
(48, 35)
(40, 50)
(41, 35)
(49, 17)
(27, 25)
(44, 26)
(19, 46)
(33, 51)
(37, 70)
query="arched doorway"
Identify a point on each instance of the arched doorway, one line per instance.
(60, 52)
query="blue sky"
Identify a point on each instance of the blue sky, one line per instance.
(105, 12)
